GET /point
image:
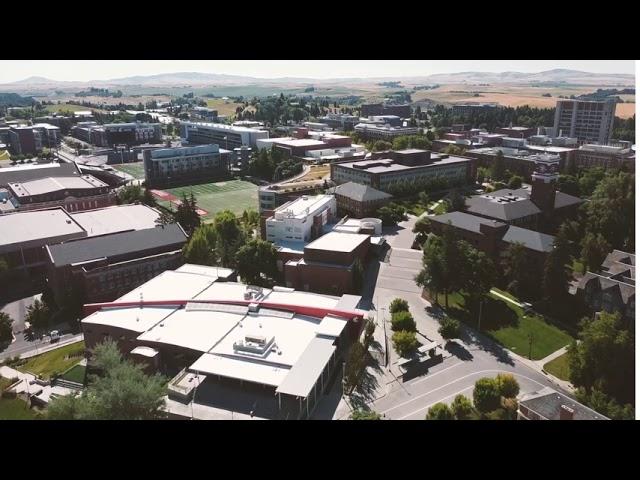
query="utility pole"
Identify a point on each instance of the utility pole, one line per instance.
(530, 344)
(480, 314)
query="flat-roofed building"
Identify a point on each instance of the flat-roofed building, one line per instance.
(119, 218)
(589, 121)
(23, 236)
(226, 136)
(248, 352)
(101, 268)
(76, 193)
(393, 168)
(27, 173)
(340, 121)
(371, 109)
(470, 108)
(374, 131)
(605, 156)
(327, 265)
(188, 165)
(517, 132)
(300, 220)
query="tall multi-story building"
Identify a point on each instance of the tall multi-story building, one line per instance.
(185, 164)
(108, 135)
(341, 121)
(29, 140)
(587, 120)
(227, 136)
(605, 156)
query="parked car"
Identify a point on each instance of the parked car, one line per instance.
(54, 336)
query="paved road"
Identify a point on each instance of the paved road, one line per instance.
(472, 359)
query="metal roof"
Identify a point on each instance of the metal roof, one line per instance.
(304, 374)
(170, 236)
(360, 193)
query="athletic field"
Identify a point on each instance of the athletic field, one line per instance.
(234, 195)
(135, 169)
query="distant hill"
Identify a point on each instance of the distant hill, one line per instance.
(207, 79)
(14, 100)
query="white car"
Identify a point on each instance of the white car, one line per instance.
(54, 336)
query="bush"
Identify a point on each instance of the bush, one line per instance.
(449, 328)
(440, 411)
(486, 395)
(507, 385)
(399, 305)
(361, 414)
(405, 343)
(403, 321)
(369, 329)
(462, 407)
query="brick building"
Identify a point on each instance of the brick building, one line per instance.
(359, 201)
(327, 265)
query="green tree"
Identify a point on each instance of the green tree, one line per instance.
(422, 228)
(130, 194)
(604, 404)
(571, 233)
(187, 214)
(405, 343)
(440, 411)
(361, 414)
(486, 395)
(433, 275)
(569, 184)
(398, 305)
(403, 320)
(462, 407)
(515, 182)
(38, 315)
(594, 250)
(507, 385)
(121, 392)
(256, 260)
(201, 247)
(521, 273)
(5, 328)
(477, 273)
(229, 237)
(556, 277)
(381, 145)
(498, 166)
(369, 329)
(604, 357)
(449, 328)
(358, 276)
(354, 366)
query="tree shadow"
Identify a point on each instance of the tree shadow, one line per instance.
(486, 344)
(367, 387)
(459, 351)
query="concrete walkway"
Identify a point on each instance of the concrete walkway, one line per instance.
(28, 386)
(553, 356)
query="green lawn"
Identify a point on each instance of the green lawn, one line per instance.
(75, 374)
(65, 106)
(559, 367)
(135, 169)
(234, 195)
(55, 361)
(16, 409)
(577, 266)
(509, 326)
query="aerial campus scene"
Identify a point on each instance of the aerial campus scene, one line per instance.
(326, 240)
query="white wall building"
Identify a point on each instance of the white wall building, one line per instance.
(294, 221)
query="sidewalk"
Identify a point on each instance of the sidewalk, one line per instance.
(52, 346)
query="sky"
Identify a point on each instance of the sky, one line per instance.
(85, 70)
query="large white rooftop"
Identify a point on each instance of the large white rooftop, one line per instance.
(303, 207)
(265, 345)
(338, 241)
(37, 225)
(117, 219)
(54, 184)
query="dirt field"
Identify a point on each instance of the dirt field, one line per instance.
(317, 172)
(224, 107)
(512, 96)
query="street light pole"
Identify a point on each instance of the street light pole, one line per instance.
(480, 314)
(530, 344)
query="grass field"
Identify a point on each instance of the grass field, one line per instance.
(135, 169)
(559, 367)
(16, 409)
(75, 374)
(65, 106)
(234, 195)
(224, 107)
(55, 361)
(316, 172)
(509, 326)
